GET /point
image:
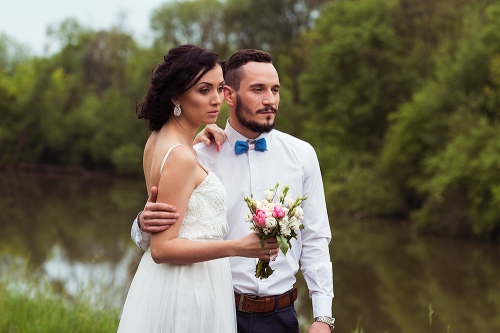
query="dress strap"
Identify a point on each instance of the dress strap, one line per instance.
(166, 155)
(202, 166)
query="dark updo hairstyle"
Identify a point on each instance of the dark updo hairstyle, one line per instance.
(181, 68)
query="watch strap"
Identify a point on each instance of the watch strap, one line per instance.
(327, 320)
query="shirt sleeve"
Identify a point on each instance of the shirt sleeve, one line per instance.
(315, 260)
(141, 238)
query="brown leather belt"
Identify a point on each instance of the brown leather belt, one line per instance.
(249, 303)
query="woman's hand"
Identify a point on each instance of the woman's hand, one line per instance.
(211, 133)
(249, 246)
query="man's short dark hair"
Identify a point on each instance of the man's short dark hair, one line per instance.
(234, 70)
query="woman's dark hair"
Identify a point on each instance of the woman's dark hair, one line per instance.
(181, 68)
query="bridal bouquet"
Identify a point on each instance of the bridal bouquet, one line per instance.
(274, 219)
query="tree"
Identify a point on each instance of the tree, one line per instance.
(196, 22)
(443, 146)
(11, 54)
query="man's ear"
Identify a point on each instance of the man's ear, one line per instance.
(229, 95)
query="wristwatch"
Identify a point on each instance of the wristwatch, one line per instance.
(327, 320)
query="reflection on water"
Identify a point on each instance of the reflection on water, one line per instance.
(76, 232)
(105, 279)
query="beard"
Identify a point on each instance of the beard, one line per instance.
(244, 115)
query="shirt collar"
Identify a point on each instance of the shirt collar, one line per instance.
(232, 136)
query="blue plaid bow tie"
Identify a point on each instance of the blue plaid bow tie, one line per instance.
(241, 146)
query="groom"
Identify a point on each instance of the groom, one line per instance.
(252, 93)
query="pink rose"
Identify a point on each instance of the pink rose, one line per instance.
(260, 218)
(278, 212)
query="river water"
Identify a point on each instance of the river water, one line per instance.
(75, 232)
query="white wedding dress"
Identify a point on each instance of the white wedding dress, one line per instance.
(192, 298)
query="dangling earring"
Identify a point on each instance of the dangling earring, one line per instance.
(177, 110)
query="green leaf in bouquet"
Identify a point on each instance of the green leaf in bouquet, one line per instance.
(268, 272)
(283, 243)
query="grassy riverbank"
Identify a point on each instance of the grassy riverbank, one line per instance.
(28, 305)
(43, 314)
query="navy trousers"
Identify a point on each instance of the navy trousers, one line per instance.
(282, 320)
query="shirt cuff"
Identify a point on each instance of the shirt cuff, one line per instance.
(141, 238)
(322, 305)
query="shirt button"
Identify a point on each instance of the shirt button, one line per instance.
(253, 160)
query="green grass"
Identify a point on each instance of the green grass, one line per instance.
(28, 305)
(360, 329)
(22, 313)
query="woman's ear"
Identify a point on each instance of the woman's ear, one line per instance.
(175, 100)
(229, 95)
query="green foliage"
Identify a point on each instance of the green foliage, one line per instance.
(355, 77)
(198, 22)
(75, 108)
(12, 54)
(444, 144)
(400, 98)
(405, 98)
(8, 102)
(127, 159)
(463, 181)
(269, 25)
(357, 186)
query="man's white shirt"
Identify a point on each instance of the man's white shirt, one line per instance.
(289, 161)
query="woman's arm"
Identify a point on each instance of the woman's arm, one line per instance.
(184, 251)
(179, 181)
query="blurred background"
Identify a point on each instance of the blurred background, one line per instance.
(400, 99)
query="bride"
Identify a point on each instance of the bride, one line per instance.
(183, 282)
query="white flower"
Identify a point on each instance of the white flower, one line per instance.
(269, 195)
(294, 225)
(248, 217)
(271, 222)
(288, 201)
(299, 213)
(285, 230)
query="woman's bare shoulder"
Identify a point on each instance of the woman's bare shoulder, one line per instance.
(152, 140)
(180, 157)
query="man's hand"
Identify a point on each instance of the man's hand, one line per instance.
(211, 133)
(318, 327)
(156, 216)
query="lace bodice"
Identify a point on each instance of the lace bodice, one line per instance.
(205, 217)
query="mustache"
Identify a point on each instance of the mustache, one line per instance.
(267, 109)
